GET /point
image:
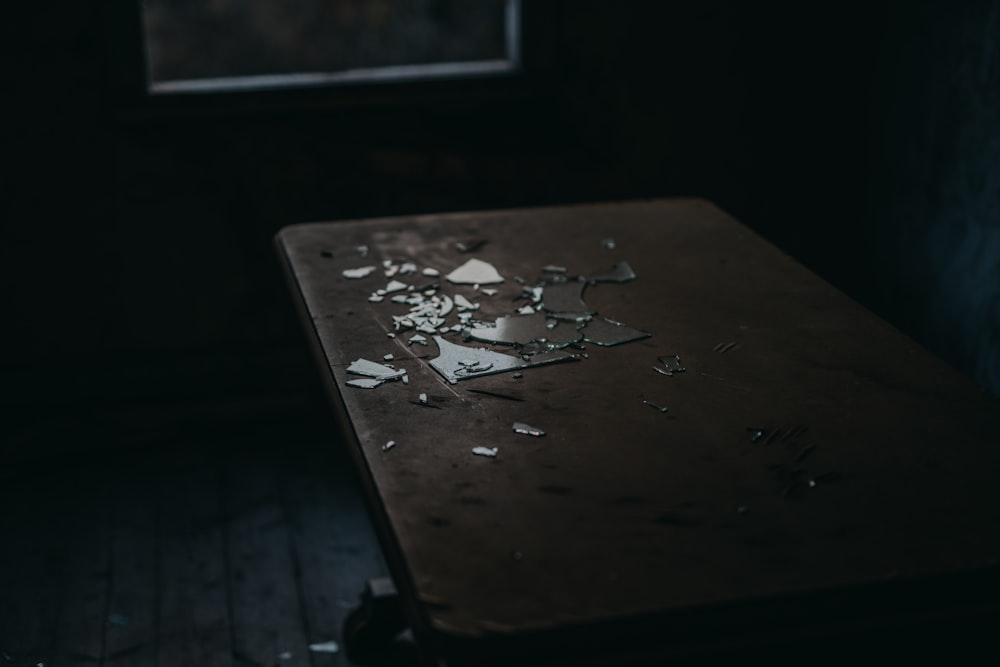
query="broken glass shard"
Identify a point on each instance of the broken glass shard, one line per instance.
(656, 406)
(364, 383)
(485, 451)
(525, 310)
(395, 286)
(526, 429)
(475, 272)
(552, 268)
(408, 267)
(517, 376)
(390, 270)
(361, 272)
(389, 445)
(373, 369)
(471, 245)
(457, 362)
(522, 330)
(489, 291)
(387, 357)
(671, 364)
(376, 298)
(464, 304)
(565, 298)
(619, 273)
(606, 332)
(422, 398)
(431, 273)
(533, 292)
(418, 339)
(399, 298)
(362, 250)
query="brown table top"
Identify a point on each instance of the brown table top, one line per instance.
(878, 461)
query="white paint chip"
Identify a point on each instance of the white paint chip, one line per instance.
(361, 272)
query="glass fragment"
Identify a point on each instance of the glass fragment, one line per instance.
(552, 268)
(373, 369)
(671, 364)
(418, 340)
(362, 250)
(475, 272)
(521, 330)
(489, 291)
(525, 310)
(408, 267)
(533, 292)
(361, 272)
(457, 362)
(431, 273)
(756, 434)
(565, 298)
(464, 304)
(470, 245)
(609, 244)
(395, 286)
(517, 376)
(526, 429)
(621, 272)
(389, 445)
(364, 383)
(606, 332)
(485, 451)
(388, 357)
(376, 298)
(656, 406)
(422, 398)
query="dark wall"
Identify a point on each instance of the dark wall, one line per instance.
(137, 259)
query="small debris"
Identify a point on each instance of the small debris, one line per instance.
(552, 268)
(470, 245)
(464, 304)
(325, 647)
(656, 406)
(431, 273)
(619, 273)
(390, 334)
(388, 357)
(407, 267)
(756, 434)
(526, 429)
(485, 451)
(671, 365)
(609, 244)
(376, 298)
(489, 291)
(362, 250)
(422, 398)
(358, 273)
(517, 376)
(389, 445)
(525, 310)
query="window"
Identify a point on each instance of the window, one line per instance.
(229, 45)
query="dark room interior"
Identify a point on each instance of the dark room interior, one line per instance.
(172, 486)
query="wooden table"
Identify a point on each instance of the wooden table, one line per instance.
(869, 492)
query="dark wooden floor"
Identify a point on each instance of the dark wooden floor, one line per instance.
(234, 545)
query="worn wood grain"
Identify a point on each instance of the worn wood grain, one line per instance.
(193, 614)
(335, 548)
(131, 635)
(267, 612)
